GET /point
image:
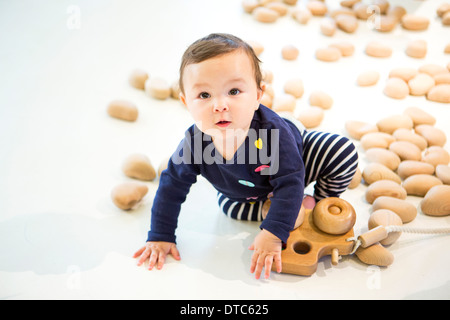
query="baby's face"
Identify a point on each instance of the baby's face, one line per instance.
(221, 93)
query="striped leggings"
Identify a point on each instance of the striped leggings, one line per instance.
(330, 161)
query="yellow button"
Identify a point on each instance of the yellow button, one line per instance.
(259, 143)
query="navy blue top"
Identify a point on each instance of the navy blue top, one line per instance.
(270, 160)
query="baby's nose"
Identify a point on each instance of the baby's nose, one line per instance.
(220, 106)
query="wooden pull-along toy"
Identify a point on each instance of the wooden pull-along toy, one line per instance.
(328, 230)
(324, 231)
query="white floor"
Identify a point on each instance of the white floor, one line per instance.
(60, 235)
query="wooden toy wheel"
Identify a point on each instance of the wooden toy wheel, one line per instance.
(334, 216)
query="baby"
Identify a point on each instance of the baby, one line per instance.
(251, 155)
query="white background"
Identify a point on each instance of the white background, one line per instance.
(61, 237)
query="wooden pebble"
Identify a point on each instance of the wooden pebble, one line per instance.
(396, 88)
(417, 49)
(405, 74)
(347, 48)
(269, 90)
(139, 166)
(385, 217)
(378, 50)
(289, 52)
(320, 99)
(328, 26)
(175, 90)
(257, 46)
(387, 188)
(403, 208)
(123, 109)
(419, 116)
(396, 11)
(415, 22)
(294, 87)
(376, 255)
(406, 150)
(284, 102)
(386, 23)
(301, 15)
(250, 5)
(158, 88)
(267, 100)
(163, 166)
(386, 157)
(357, 129)
(419, 184)
(368, 78)
(328, 54)
(349, 3)
(436, 155)
(265, 15)
(443, 78)
(432, 69)
(346, 23)
(442, 9)
(391, 123)
(420, 84)
(437, 201)
(342, 10)
(317, 8)
(446, 19)
(443, 173)
(439, 93)
(356, 180)
(281, 8)
(362, 10)
(411, 167)
(137, 78)
(383, 5)
(403, 134)
(128, 194)
(376, 140)
(376, 171)
(433, 135)
(267, 76)
(311, 117)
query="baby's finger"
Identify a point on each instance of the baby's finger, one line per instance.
(259, 266)
(161, 259)
(144, 256)
(278, 262)
(268, 266)
(152, 260)
(175, 253)
(139, 252)
(253, 262)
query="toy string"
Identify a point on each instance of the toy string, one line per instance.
(403, 229)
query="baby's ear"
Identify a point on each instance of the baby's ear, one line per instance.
(260, 92)
(183, 99)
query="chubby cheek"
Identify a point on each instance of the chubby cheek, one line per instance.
(201, 119)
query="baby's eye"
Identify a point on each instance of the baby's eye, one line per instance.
(234, 92)
(204, 95)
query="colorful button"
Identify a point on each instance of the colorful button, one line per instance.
(260, 168)
(259, 143)
(246, 183)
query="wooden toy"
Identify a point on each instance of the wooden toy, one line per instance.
(308, 243)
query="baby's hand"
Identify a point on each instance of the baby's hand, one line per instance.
(267, 249)
(157, 251)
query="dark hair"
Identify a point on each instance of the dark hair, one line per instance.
(214, 45)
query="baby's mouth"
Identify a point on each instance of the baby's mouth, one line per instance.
(223, 123)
